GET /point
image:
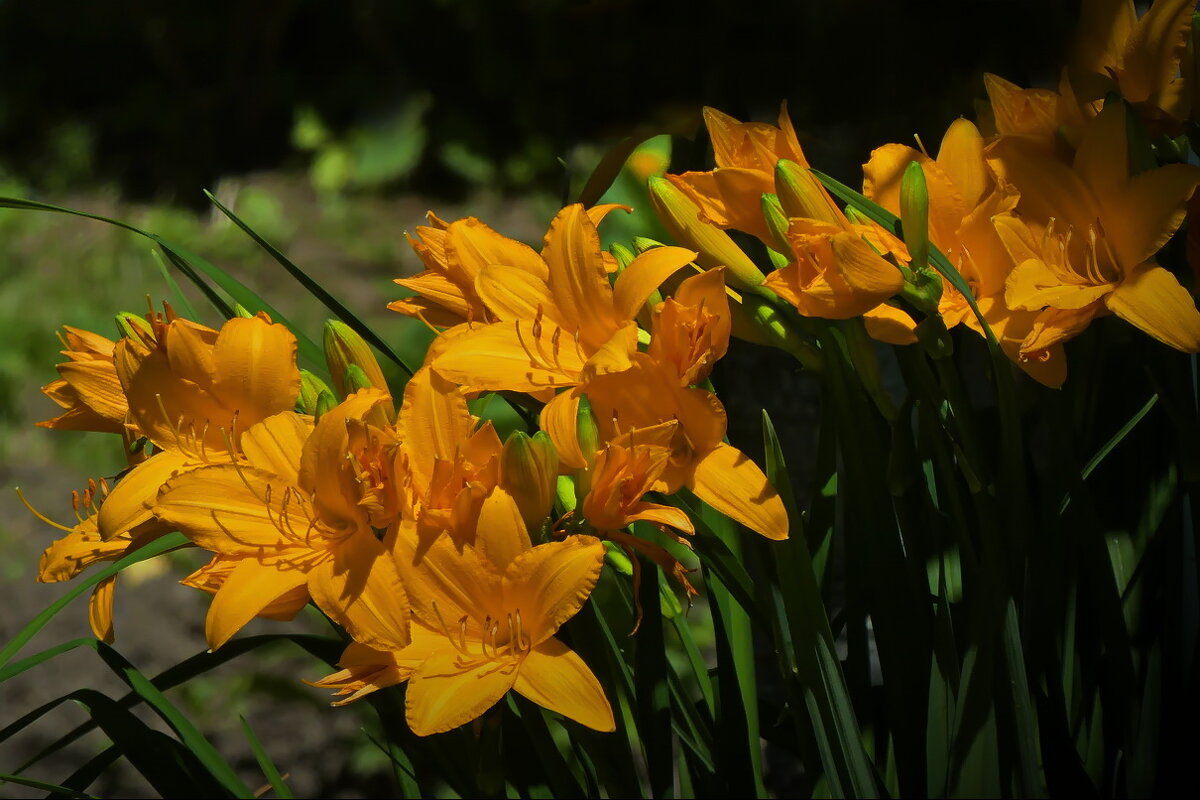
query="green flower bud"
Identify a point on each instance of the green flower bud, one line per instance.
(681, 217)
(311, 388)
(343, 348)
(914, 215)
(529, 472)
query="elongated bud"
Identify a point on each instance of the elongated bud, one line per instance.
(622, 254)
(355, 379)
(643, 243)
(914, 215)
(589, 443)
(311, 388)
(345, 348)
(529, 472)
(775, 329)
(802, 195)
(326, 402)
(777, 225)
(681, 217)
(132, 326)
(240, 310)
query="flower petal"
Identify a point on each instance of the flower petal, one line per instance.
(555, 677)
(256, 369)
(731, 483)
(890, 324)
(443, 694)
(276, 444)
(361, 589)
(559, 420)
(517, 355)
(644, 275)
(1152, 299)
(578, 278)
(250, 588)
(501, 535)
(515, 293)
(551, 582)
(128, 504)
(100, 610)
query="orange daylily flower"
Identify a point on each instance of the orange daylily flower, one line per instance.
(559, 331)
(964, 196)
(836, 270)
(455, 254)
(445, 464)
(1114, 49)
(746, 153)
(292, 516)
(87, 387)
(1086, 234)
(192, 391)
(483, 623)
(82, 547)
(652, 392)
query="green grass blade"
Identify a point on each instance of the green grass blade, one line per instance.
(160, 545)
(13, 670)
(191, 737)
(264, 762)
(1111, 444)
(835, 727)
(179, 255)
(180, 298)
(92, 769)
(653, 690)
(314, 288)
(54, 789)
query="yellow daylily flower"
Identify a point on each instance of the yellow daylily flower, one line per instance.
(559, 331)
(192, 391)
(455, 254)
(87, 387)
(652, 392)
(446, 464)
(746, 153)
(82, 547)
(483, 622)
(964, 196)
(1140, 57)
(292, 516)
(1086, 234)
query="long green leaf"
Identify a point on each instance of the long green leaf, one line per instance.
(54, 789)
(191, 737)
(264, 762)
(160, 545)
(178, 255)
(314, 288)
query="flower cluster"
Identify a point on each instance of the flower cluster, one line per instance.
(452, 557)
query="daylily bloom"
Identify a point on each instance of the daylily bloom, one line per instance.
(87, 387)
(560, 330)
(293, 516)
(1114, 49)
(836, 270)
(1086, 234)
(964, 196)
(82, 547)
(455, 254)
(746, 154)
(655, 390)
(192, 391)
(445, 464)
(483, 623)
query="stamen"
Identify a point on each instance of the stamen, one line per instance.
(40, 515)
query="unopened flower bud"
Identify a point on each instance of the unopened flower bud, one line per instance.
(914, 215)
(777, 225)
(643, 243)
(802, 195)
(681, 217)
(240, 310)
(132, 326)
(589, 443)
(622, 254)
(326, 402)
(343, 348)
(529, 472)
(311, 388)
